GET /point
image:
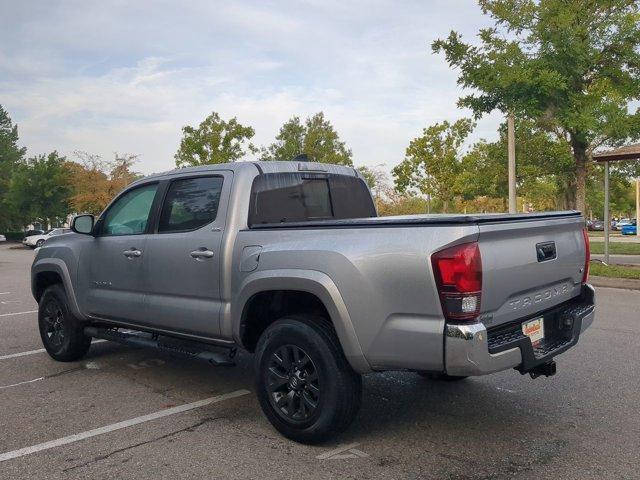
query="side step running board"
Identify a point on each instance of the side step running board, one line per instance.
(180, 348)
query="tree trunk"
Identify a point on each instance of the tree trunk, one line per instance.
(580, 158)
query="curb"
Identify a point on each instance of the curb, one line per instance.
(610, 282)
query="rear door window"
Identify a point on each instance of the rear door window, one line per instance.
(190, 203)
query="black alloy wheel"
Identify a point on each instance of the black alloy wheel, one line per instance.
(304, 383)
(293, 384)
(62, 334)
(53, 318)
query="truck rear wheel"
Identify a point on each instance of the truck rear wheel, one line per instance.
(305, 385)
(62, 335)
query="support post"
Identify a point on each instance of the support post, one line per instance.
(511, 140)
(607, 221)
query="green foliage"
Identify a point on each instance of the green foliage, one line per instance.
(317, 139)
(10, 155)
(616, 271)
(213, 141)
(401, 205)
(571, 66)
(14, 236)
(436, 165)
(544, 168)
(377, 179)
(433, 162)
(40, 189)
(369, 176)
(615, 248)
(621, 187)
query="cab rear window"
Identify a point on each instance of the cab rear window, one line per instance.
(301, 197)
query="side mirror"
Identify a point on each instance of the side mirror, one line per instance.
(83, 224)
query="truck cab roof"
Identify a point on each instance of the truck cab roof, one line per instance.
(259, 167)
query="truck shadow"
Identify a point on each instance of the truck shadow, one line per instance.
(397, 407)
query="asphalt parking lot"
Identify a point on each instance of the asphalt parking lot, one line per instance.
(92, 419)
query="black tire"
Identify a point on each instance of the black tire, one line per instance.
(323, 378)
(39, 243)
(61, 333)
(443, 377)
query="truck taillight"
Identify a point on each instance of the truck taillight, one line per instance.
(458, 272)
(587, 255)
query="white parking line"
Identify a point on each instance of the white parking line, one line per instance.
(22, 383)
(17, 313)
(33, 352)
(118, 426)
(22, 354)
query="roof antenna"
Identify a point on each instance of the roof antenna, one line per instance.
(302, 157)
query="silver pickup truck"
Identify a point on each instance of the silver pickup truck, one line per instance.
(289, 260)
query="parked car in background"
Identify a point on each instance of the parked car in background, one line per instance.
(34, 241)
(3, 238)
(595, 225)
(630, 229)
(29, 233)
(621, 223)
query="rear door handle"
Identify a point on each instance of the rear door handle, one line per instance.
(133, 253)
(202, 254)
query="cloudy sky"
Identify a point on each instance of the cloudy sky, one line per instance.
(126, 76)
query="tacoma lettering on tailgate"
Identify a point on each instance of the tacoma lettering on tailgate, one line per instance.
(538, 297)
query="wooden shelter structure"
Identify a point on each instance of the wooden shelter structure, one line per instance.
(628, 152)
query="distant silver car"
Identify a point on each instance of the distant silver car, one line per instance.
(34, 241)
(621, 223)
(3, 238)
(287, 260)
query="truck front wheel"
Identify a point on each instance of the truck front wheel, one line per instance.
(62, 335)
(305, 385)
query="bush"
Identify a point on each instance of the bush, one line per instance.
(14, 236)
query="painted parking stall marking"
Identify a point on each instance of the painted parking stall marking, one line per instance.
(343, 452)
(2, 387)
(17, 313)
(22, 354)
(33, 352)
(118, 426)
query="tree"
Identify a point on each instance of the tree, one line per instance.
(317, 139)
(572, 66)
(396, 203)
(10, 155)
(120, 173)
(433, 161)
(622, 189)
(40, 189)
(213, 141)
(95, 182)
(376, 178)
(544, 173)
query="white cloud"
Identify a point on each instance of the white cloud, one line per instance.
(124, 77)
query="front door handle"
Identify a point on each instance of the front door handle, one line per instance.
(197, 254)
(133, 253)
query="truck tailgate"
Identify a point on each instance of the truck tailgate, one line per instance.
(529, 266)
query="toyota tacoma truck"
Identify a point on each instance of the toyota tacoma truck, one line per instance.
(288, 260)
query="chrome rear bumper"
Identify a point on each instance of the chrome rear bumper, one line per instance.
(468, 353)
